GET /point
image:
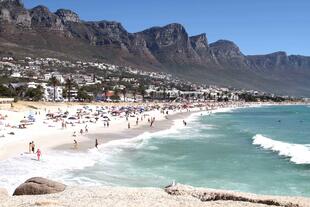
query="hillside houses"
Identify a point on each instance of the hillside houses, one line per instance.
(89, 80)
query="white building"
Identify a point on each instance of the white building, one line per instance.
(16, 75)
(49, 93)
(59, 77)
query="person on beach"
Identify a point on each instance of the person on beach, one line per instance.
(128, 125)
(81, 131)
(75, 144)
(137, 121)
(108, 123)
(38, 154)
(96, 143)
(32, 146)
(86, 129)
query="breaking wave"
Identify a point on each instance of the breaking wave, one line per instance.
(298, 153)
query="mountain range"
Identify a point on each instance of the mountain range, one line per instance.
(62, 34)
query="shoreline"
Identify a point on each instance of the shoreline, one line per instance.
(104, 137)
(118, 130)
(62, 139)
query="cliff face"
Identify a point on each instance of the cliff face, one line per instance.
(39, 31)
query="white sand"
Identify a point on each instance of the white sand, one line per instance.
(47, 134)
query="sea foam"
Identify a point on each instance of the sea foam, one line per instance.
(298, 153)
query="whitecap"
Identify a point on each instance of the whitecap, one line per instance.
(298, 153)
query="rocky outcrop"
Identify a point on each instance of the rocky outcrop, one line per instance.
(39, 186)
(68, 16)
(170, 44)
(208, 195)
(186, 196)
(108, 33)
(13, 12)
(43, 19)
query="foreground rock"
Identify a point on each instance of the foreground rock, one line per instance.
(209, 195)
(39, 186)
(174, 196)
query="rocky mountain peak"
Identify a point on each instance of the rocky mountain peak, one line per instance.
(13, 11)
(225, 48)
(199, 41)
(11, 2)
(168, 35)
(42, 18)
(68, 16)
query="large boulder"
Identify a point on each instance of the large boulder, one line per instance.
(39, 186)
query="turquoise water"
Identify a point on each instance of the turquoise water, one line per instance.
(215, 151)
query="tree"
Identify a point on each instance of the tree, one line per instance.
(204, 96)
(21, 90)
(124, 92)
(116, 92)
(54, 82)
(134, 93)
(152, 94)
(82, 95)
(35, 94)
(94, 89)
(5, 91)
(106, 91)
(69, 84)
(142, 91)
(115, 96)
(164, 93)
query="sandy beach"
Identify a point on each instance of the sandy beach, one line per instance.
(50, 134)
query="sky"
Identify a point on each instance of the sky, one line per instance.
(256, 26)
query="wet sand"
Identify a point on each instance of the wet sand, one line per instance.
(104, 137)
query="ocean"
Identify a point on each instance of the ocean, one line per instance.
(264, 150)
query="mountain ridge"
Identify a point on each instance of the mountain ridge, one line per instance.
(168, 48)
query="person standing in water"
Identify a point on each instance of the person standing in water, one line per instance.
(75, 144)
(38, 154)
(32, 147)
(96, 143)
